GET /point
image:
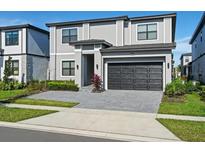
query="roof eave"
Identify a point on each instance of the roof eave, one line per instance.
(87, 21)
(198, 28)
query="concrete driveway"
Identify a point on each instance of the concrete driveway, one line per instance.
(123, 100)
(120, 125)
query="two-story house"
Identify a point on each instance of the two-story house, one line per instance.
(185, 59)
(198, 51)
(128, 53)
(28, 46)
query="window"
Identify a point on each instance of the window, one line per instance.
(201, 37)
(69, 35)
(68, 68)
(14, 67)
(186, 60)
(11, 38)
(147, 32)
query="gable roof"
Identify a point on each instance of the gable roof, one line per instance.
(24, 26)
(87, 21)
(90, 41)
(111, 19)
(198, 28)
(140, 47)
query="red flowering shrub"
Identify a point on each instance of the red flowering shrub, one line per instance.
(96, 82)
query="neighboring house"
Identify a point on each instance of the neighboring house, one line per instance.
(28, 46)
(185, 59)
(128, 53)
(198, 51)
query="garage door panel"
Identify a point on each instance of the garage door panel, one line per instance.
(156, 81)
(127, 86)
(155, 76)
(127, 76)
(135, 76)
(141, 76)
(155, 70)
(140, 86)
(143, 81)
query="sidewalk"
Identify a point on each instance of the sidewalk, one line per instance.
(180, 117)
(163, 116)
(121, 125)
(128, 126)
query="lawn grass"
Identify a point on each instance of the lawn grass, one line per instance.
(4, 95)
(186, 130)
(8, 114)
(29, 101)
(192, 106)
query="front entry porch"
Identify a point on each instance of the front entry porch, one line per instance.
(88, 68)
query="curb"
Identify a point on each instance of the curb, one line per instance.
(119, 137)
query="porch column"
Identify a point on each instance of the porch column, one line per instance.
(79, 63)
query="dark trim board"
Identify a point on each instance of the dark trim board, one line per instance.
(21, 54)
(135, 76)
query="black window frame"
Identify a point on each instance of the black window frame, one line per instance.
(13, 69)
(70, 68)
(69, 35)
(147, 32)
(11, 41)
(186, 60)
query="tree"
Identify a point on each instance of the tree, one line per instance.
(7, 70)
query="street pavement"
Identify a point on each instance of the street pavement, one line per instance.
(8, 134)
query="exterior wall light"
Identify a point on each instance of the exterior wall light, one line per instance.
(97, 66)
(77, 67)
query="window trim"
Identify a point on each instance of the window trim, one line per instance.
(147, 23)
(61, 67)
(6, 39)
(68, 29)
(13, 60)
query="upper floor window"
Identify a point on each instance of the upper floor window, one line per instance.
(186, 60)
(69, 35)
(147, 32)
(11, 38)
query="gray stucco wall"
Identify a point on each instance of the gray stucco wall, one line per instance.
(38, 43)
(116, 32)
(1, 65)
(57, 60)
(200, 45)
(198, 69)
(198, 49)
(37, 68)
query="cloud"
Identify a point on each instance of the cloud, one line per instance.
(8, 22)
(182, 46)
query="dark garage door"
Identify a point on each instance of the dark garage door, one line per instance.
(135, 76)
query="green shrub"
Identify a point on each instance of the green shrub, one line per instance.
(202, 95)
(37, 85)
(62, 85)
(190, 87)
(176, 88)
(12, 85)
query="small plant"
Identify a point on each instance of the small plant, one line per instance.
(190, 87)
(7, 71)
(202, 95)
(97, 83)
(176, 88)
